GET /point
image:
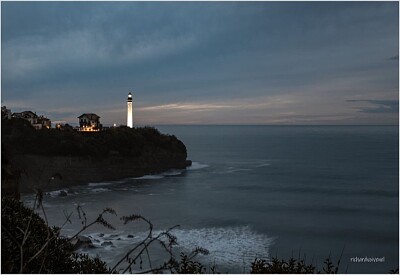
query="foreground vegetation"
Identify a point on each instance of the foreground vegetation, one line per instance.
(29, 245)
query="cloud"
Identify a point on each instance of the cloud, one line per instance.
(198, 62)
(381, 106)
(396, 57)
(186, 106)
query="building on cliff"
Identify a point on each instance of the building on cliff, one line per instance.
(39, 122)
(89, 123)
(129, 121)
(27, 115)
(5, 113)
(42, 122)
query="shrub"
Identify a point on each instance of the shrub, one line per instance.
(30, 246)
(292, 266)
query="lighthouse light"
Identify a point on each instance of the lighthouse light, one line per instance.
(129, 111)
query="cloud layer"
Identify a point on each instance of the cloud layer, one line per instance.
(203, 62)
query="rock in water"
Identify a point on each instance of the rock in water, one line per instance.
(62, 194)
(188, 163)
(82, 242)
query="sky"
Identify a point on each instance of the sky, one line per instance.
(272, 63)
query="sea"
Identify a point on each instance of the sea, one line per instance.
(307, 192)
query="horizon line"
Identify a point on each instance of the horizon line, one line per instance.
(221, 124)
(296, 125)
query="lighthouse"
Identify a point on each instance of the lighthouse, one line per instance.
(130, 111)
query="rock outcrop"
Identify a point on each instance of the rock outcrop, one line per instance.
(82, 242)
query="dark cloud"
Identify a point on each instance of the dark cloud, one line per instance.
(87, 54)
(383, 106)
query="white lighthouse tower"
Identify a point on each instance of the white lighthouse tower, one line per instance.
(130, 111)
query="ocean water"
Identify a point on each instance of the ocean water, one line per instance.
(259, 191)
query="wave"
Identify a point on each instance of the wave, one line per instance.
(99, 184)
(150, 177)
(238, 170)
(57, 193)
(263, 164)
(99, 190)
(228, 246)
(173, 172)
(230, 170)
(197, 166)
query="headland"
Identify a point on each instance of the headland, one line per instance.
(50, 159)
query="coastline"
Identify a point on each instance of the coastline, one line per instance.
(52, 173)
(51, 159)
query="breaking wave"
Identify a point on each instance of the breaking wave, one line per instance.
(150, 177)
(230, 246)
(173, 172)
(56, 193)
(197, 166)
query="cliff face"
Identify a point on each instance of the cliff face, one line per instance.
(49, 173)
(51, 159)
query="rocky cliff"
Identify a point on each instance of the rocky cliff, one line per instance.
(52, 159)
(49, 173)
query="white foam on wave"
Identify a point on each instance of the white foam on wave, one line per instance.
(105, 183)
(227, 246)
(114, 236)
(238, 170)
(231, 169)
(150, 177)
(263, 165)
(169, 173)
(196, 166)
(57, 193)
(102, 241)
(173, 172)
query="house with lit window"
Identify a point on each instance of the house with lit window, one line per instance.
(42, 122)
(89, 122)
(38, 122)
